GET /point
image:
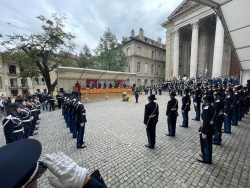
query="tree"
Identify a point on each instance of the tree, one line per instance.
(85, 58)
(109, 53)
(37, 53)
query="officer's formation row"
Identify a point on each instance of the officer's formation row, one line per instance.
(219, 106)
(74, 114)
(21, 119)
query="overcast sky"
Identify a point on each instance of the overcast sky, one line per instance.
(88, 19)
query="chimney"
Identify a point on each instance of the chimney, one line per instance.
(159, 40)
(141, 35)
(132, 33)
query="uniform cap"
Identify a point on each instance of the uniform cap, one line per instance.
(20, 161)
(172, 93)
(152, 97)
(14, 105)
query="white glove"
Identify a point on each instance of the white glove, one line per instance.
(182, 111)
(225, 114)
(204, 136)
(195, 103)
(81, 124)
(68, 173)
(31, 118)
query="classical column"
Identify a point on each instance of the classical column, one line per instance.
(218, 49)
(194, 49)
(176, 54)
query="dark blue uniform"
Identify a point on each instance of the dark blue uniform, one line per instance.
(137, 95)
(13, 128)
(80, 120)
(228, 112)
(172, 113)
(185, 108)
(236, 108)
(197, 103)
(207, 129)
(151, 114)
(218, 120)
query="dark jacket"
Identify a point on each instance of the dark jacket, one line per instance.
(151, 113)
(208, 115)
(219, 110)
(186, 102)
(172, 108)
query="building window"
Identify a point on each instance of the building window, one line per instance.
(159, 69)
(128, 68)
(153, 54)
(152, 82)
(152, 69)
(163, 71)
(128, 51)
(35, 81)
(22, 69)
(13, 82)
(43, 81)
(14, 92)
(138, 67)
(138, 50)
(1, 85)
(159, 56)
(146, 68)
(146, 53)
(24, 83)
(12, 69)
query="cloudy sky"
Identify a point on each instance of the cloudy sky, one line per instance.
(88, 19)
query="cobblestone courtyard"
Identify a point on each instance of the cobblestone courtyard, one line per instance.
(115, 137)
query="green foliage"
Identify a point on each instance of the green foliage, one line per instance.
(140, 87)
(109, 53)
(85, 58)
(36, 52)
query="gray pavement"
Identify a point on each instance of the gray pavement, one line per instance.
(115, 137)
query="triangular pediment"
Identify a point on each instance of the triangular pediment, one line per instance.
(186, 4)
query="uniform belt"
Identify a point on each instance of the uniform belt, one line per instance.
(152, 116)
(20, 130)
(172, 109)
(27, 120)
(83, 113)
(33, 110)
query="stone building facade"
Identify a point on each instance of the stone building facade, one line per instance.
(196, 43)
(11, 83)
(146, 58)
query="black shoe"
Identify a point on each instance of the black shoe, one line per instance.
(37, 123)
(168, 135)
(202, 161)
(215, 143)
(83, 146)
(33, 134)
(195, 119)
(200, 155)
(148, 146)
(36, 128)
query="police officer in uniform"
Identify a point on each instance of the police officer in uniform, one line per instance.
(151, 114)
(12, 124)
(185, 108)
(80, 121)
(197, 102)
(26, 116)
(172, 113)
(59, 98)
(228, 110)
(137, 92)
(219, 117)
(206, 130)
